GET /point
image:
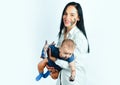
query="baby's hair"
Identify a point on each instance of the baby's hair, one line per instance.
(69, 42)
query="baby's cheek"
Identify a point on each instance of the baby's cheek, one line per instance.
(62, 56)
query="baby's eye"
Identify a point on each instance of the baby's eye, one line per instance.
(66, 53)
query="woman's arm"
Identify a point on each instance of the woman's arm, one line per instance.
(81, 48)
(62, 63)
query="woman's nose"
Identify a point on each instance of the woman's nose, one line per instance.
(67, 17)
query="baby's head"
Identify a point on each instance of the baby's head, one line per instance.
(67, 48)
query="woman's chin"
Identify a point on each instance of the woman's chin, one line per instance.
(67, 25)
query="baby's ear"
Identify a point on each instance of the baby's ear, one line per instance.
(60, 49)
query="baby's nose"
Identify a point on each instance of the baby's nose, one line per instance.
(65, 57)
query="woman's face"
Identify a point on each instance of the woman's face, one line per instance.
(70, 17)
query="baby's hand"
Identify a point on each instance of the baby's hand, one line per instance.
(72, 78)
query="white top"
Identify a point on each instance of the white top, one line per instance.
(81, 49)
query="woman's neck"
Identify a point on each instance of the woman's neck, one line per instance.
(67, 30)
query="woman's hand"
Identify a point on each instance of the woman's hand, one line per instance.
(46, 45)
(53, 72)
(51, 69)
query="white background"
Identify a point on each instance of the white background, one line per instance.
(26, 24)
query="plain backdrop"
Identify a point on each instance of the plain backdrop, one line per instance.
(26, 24)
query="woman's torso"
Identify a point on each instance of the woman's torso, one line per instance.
(81, 49)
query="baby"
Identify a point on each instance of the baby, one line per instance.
(64, 52)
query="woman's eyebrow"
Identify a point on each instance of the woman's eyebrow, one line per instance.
(72, 13)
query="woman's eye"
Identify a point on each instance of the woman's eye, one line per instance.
(65, 13)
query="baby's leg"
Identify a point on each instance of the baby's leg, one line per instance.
(44, 50)
(42, 65)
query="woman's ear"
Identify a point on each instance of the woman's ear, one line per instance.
(78, 18)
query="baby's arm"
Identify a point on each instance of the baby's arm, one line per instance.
(73, 71)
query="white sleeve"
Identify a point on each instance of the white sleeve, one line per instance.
(62, 63)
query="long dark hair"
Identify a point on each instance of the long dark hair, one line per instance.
(80, 23)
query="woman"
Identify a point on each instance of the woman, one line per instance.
(72, 27)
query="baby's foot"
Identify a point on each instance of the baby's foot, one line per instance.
(46, 74)
(39, 76)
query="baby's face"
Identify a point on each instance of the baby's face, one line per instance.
(65, 51)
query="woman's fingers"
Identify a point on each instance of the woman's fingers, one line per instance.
(51, 69)
(53, 43)
(46, 42)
